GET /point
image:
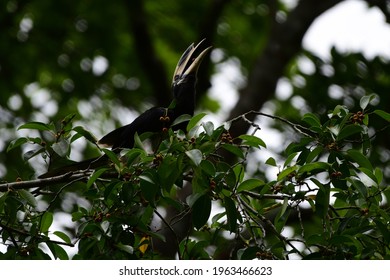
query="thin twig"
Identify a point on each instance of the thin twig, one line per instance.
(271, 226)
(301, 129)
(169, 227)
(248, 218)
(60, 191)
(266, 196)
(37, 183)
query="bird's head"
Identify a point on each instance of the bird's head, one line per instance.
(184, 77)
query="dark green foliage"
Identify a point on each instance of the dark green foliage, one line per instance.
(323, 193)
(328, 171)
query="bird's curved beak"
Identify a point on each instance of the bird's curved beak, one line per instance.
(190, 61)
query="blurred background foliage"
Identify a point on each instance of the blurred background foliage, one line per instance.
(108, 61)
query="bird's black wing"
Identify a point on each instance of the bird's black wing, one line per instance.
(152, 120)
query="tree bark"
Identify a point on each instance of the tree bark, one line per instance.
(151, 62)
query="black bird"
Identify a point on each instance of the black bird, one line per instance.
(156, 118)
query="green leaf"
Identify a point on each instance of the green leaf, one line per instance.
(281, 217)
(112, 156)
(284, 208)
(63, 236)
(340, 110)
(249, 253)
(384, 230)
(218, 132)
(169, 171)
(96, 175)
(365, 119)
(147, 178)
(195, 155)
(314, 153)
(365, 100)
(67, 120)
(383, 114)
(3, 197)
(286, 172)
(125, 248)
(201, 209)
(46, 221)
(87, 135)
(208, 167)
(250, 184)
(290, 158)
(61, 147)
(311, 120)
(314, 167)
(138, 142)
(340, 240)
(379, 175)
(194, 120)
(215, 219)
(26, 195)
(360, 159)
(131, 155)
(239, 172)
(271, 161)
(32, 153)
(16, 143)
(149, 188)
(181, 119)
(76, 216)
(208, 127)
(191, 199)
(349, 130)
(252, 141)
(360, 187)
(369, 174)
(36, 125)
(322, 198)
(302, 157)
(233, 149)
(315, 239)
(231, 213)
(57, 251)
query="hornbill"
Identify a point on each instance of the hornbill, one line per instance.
(155, 119)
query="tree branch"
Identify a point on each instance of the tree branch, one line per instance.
(65, 178)
(147, 54)
(208, 27)
(249, 121)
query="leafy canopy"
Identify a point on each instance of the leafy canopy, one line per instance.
(326, 192)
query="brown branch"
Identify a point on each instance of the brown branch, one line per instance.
(150, 60)
(177, 241)
(266, 196)
(208, 29)
(38, 183)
